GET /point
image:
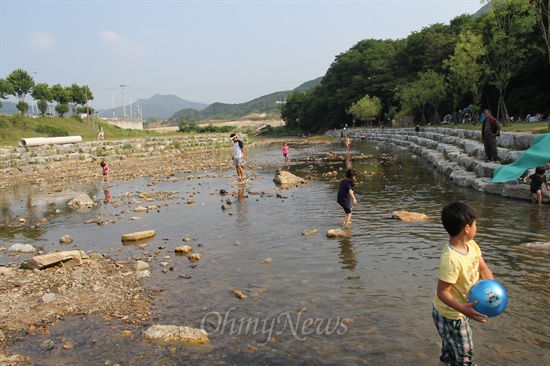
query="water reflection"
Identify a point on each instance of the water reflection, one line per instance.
(348, 258)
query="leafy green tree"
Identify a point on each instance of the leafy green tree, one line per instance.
(42, 106)
(365, 109)
(292, 109)
(413, 96)
(43, 94)
(5, 90)
(62, 95)
(542, 9)
(466, 69)
(505, 29)
(434, 89)
(426, 50)
(21, 84)
(79, 95)
(61, 109)
(22, 106)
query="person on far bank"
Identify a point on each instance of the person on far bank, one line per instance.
(345, 195)
(100, 133)
(490, 130)
(460, 267)
(238, 156)
(537, 179)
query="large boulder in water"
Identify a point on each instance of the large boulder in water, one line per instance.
(82, 200)
(287, 179)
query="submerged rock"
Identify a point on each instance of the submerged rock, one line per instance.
(409, 216)
(22, 248)
(176, 333)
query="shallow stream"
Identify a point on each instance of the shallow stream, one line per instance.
(362, 300)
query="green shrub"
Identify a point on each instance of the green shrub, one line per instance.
(51, 131)
(4, 122)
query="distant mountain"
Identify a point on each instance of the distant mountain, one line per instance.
(267, 104)
(158, 106)
(8, 107)
(484, 9)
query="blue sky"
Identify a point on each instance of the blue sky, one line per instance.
(202, 51)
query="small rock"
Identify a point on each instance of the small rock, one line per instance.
(141, 266)
(238, 294)
(267, 260)
(310, 232)
(183, 249)
(143, 274)
(47, 298)
(336, 233)
(194, 256)
(66, 239)
(22, 248)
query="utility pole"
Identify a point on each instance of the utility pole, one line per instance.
(123, 103)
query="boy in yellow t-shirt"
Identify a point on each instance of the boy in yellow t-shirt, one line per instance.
(460, 267)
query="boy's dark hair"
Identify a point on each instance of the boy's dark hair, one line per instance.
(540, 170)
(455, 216)
(351, 173)
(102, 163)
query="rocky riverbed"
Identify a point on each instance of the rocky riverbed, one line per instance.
(33, 300)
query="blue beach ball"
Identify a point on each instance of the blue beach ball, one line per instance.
(491, 297)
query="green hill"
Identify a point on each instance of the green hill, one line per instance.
(268, 105)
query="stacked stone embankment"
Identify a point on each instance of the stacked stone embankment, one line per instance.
(29, 159)
(459, 154)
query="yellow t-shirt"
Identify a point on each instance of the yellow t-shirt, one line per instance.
(460, 269)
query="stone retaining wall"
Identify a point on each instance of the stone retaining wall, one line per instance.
(459, 154)
(28, 159)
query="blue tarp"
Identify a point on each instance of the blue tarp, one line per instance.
(538, 154)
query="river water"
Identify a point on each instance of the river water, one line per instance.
(361, 300)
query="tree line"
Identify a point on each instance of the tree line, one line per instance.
(19, 83)
(498, 60)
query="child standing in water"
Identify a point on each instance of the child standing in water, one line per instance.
(285, 151)
(105, 172)
(537, 179)
(346, 196)
(460, 267)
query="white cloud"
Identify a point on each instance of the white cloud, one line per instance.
(40, 41)
(120, 45)
(110, 36)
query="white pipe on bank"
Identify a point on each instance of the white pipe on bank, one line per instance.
(38, 141)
